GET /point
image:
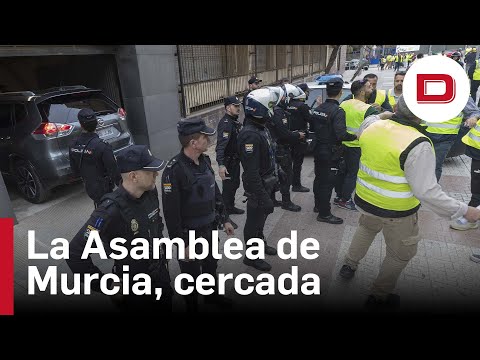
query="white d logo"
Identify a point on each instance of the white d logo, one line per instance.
(436, 88)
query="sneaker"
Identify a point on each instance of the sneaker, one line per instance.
(300, 188)
(349, 205)
(475, 258)
(330, 219)
(235, 211)
(336, 200)
(270, 250)
(463, 225)
(347, 272)
(258, 264)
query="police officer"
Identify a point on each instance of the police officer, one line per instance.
(227, 155)
(257, 154)
(253, 84)
(92, 158)
(131, 211)
(285, 139)
(298, 120)
(192, 201)
(329, 125)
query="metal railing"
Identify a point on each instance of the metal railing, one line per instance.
(209, 73)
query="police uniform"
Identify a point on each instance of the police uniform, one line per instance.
(119, 214)
(192, 201)
(227, 155)
(299, 117)
(92, 158)
(329, 125)
(285, 139)
(252, 80)
(255, 147)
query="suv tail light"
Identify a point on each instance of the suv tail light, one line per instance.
(122, 113)
(53, 130)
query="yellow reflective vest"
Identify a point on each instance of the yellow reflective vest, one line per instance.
(380, 98)
(381, 180)
(450, 127)
(472, 138)
(355, 111)
(476, 73)
(391, 97)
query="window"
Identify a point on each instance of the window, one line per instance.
(20, 113)
(5, 116)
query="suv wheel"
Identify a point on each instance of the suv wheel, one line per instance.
(29, 183)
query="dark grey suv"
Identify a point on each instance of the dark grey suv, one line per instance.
(36, 129)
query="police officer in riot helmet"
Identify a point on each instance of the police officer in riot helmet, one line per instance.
(192, 201)
(329, 125)
(131, 211)
(457, 57)
(285, 139)
(257, 154)
(92, 158)
(299, 119)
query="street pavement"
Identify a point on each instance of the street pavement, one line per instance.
(439, 278)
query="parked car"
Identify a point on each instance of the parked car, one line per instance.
(37, 127)
(354, 63)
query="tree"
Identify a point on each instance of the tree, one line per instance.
(333, 57)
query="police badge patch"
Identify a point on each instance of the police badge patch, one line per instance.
(249, 148)
(89, 228)
(134, 226)
(285, 121)
(167, 187)
(225, 135)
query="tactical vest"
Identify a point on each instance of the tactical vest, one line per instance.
(355, 111)
(381, 179)
(198, 208)
(142, 224)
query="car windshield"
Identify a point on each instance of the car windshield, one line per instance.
(314, 93)
(64, 109)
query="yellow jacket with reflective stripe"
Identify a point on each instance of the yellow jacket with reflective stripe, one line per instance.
(450, 127)
(381, 180)
(355, 114)
(472, 138)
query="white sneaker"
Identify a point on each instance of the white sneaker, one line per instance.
(459, 225)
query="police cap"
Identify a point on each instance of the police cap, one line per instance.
(231, 100)
(335, 83)
(138, 157)
(86, 115)
(193, 126)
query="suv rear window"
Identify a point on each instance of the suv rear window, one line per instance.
(64, 109)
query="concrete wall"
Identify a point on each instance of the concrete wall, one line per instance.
(149, 87)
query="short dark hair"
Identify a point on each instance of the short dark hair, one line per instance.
(370, 76)
(185, 139)
(332, 92)
(401, 73)
(89, 126)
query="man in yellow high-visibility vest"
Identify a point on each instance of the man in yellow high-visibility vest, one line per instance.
(388, 194)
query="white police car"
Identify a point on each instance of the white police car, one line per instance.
(319, 89)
